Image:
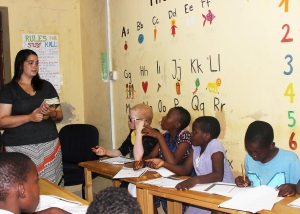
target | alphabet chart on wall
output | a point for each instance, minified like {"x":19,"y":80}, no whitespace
{"x":237,"y":60}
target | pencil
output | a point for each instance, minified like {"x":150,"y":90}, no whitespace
{"x":243,"y":173}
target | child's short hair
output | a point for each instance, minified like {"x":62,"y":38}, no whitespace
{"x":144,"y":111}
{"x":184,"y":116}
{"x":114,"y":200}
{"x":14,"y":167}
{"x":260,"y":132}
{"x":209,"y":124}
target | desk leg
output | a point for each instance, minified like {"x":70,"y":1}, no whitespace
{"x":116,"y":183}
{"x":174,"y":207}
{"x":149,"y":205}
{"x":140,"y":193}
{"x":88,"y":185}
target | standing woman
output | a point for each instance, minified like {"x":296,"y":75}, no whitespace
{"x":28,"y":121}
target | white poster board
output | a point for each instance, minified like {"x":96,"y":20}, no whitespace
{"x":46,"y":47}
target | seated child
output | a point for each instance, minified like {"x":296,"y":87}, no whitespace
{"x":265,"y":164}
{"x":19,"y":190}
{"x":173,"y":146}
{"x":207,"y":157}
{"x":114,"y":200}
{"x":174,"y":143}
{"x":137,"y":113}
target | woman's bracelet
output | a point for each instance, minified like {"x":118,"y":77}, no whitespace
{"x":55,"y":114}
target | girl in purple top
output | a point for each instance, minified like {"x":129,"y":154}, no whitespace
{"x":207,"y":157}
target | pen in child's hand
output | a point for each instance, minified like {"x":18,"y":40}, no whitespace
{"x":243,"y":173}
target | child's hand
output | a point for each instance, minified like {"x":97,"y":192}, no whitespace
{"x":99,"y":150}
{"x":187,"y":184}
{"x":286,"y":190}
{"x":159,"y":123}
{"x":155,"y":163}
{"x":139,"y":125}
{"x":240,"y":182}
{"x":139,"y":164}
{"x":149,"y":131}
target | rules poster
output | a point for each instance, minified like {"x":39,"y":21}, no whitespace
{"x":46,"y":47}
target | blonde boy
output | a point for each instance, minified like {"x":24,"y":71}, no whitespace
{"x":138,"y":113}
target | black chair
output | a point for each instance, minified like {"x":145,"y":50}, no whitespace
{"x":1,"y":143}
{"x":76,"y":143}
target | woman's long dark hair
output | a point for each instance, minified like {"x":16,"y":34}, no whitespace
{"x":21,"y":57}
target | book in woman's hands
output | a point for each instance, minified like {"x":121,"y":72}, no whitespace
{"x":53,"y":102}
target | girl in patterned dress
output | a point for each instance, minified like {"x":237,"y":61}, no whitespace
{"x":174,"y":144}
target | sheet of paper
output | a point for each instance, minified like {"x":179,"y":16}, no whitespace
{"x":163,"y":171}
{"x":279,"y":199}
{"x":225,"y":189}
{"x":253,"y":199}
{"x":47,"y":201}
{"x":126,"y":172}
{"x":295,"y":203}
{"x":117,"y":160}
{"x":220,"y":188}
{"x":201,"y":187}
{"x":76,"y":210}
{"x":65,"y":200}
{"x":164,"y":182}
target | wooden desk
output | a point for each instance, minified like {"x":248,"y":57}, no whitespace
{"x":205,"y":200}
{"x":48,"y":188}
{"x":108,"y":171}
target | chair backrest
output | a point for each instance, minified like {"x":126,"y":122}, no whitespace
{"x":76,"y":142}
{"x":1,"y":143}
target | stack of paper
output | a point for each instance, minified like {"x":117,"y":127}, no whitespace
{"x":48,"y":201}
{"x":252,"y":199}
{"x":295,"y":203}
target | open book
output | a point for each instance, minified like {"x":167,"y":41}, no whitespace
{"x":53,"y":102}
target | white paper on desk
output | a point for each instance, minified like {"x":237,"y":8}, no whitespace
{"x":253,"y":199}
{"x":201,"y":187}
{"x":163,"y":182}
{"x":47,"y":201}
{"x":126,"y":172}
{"x":164,"y":172}
{"x":76,"y":210}
{"x":117,"y":160}
{"x":219,"y":188}
{"x":225,"y":189}
{"x":295,"y":203}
